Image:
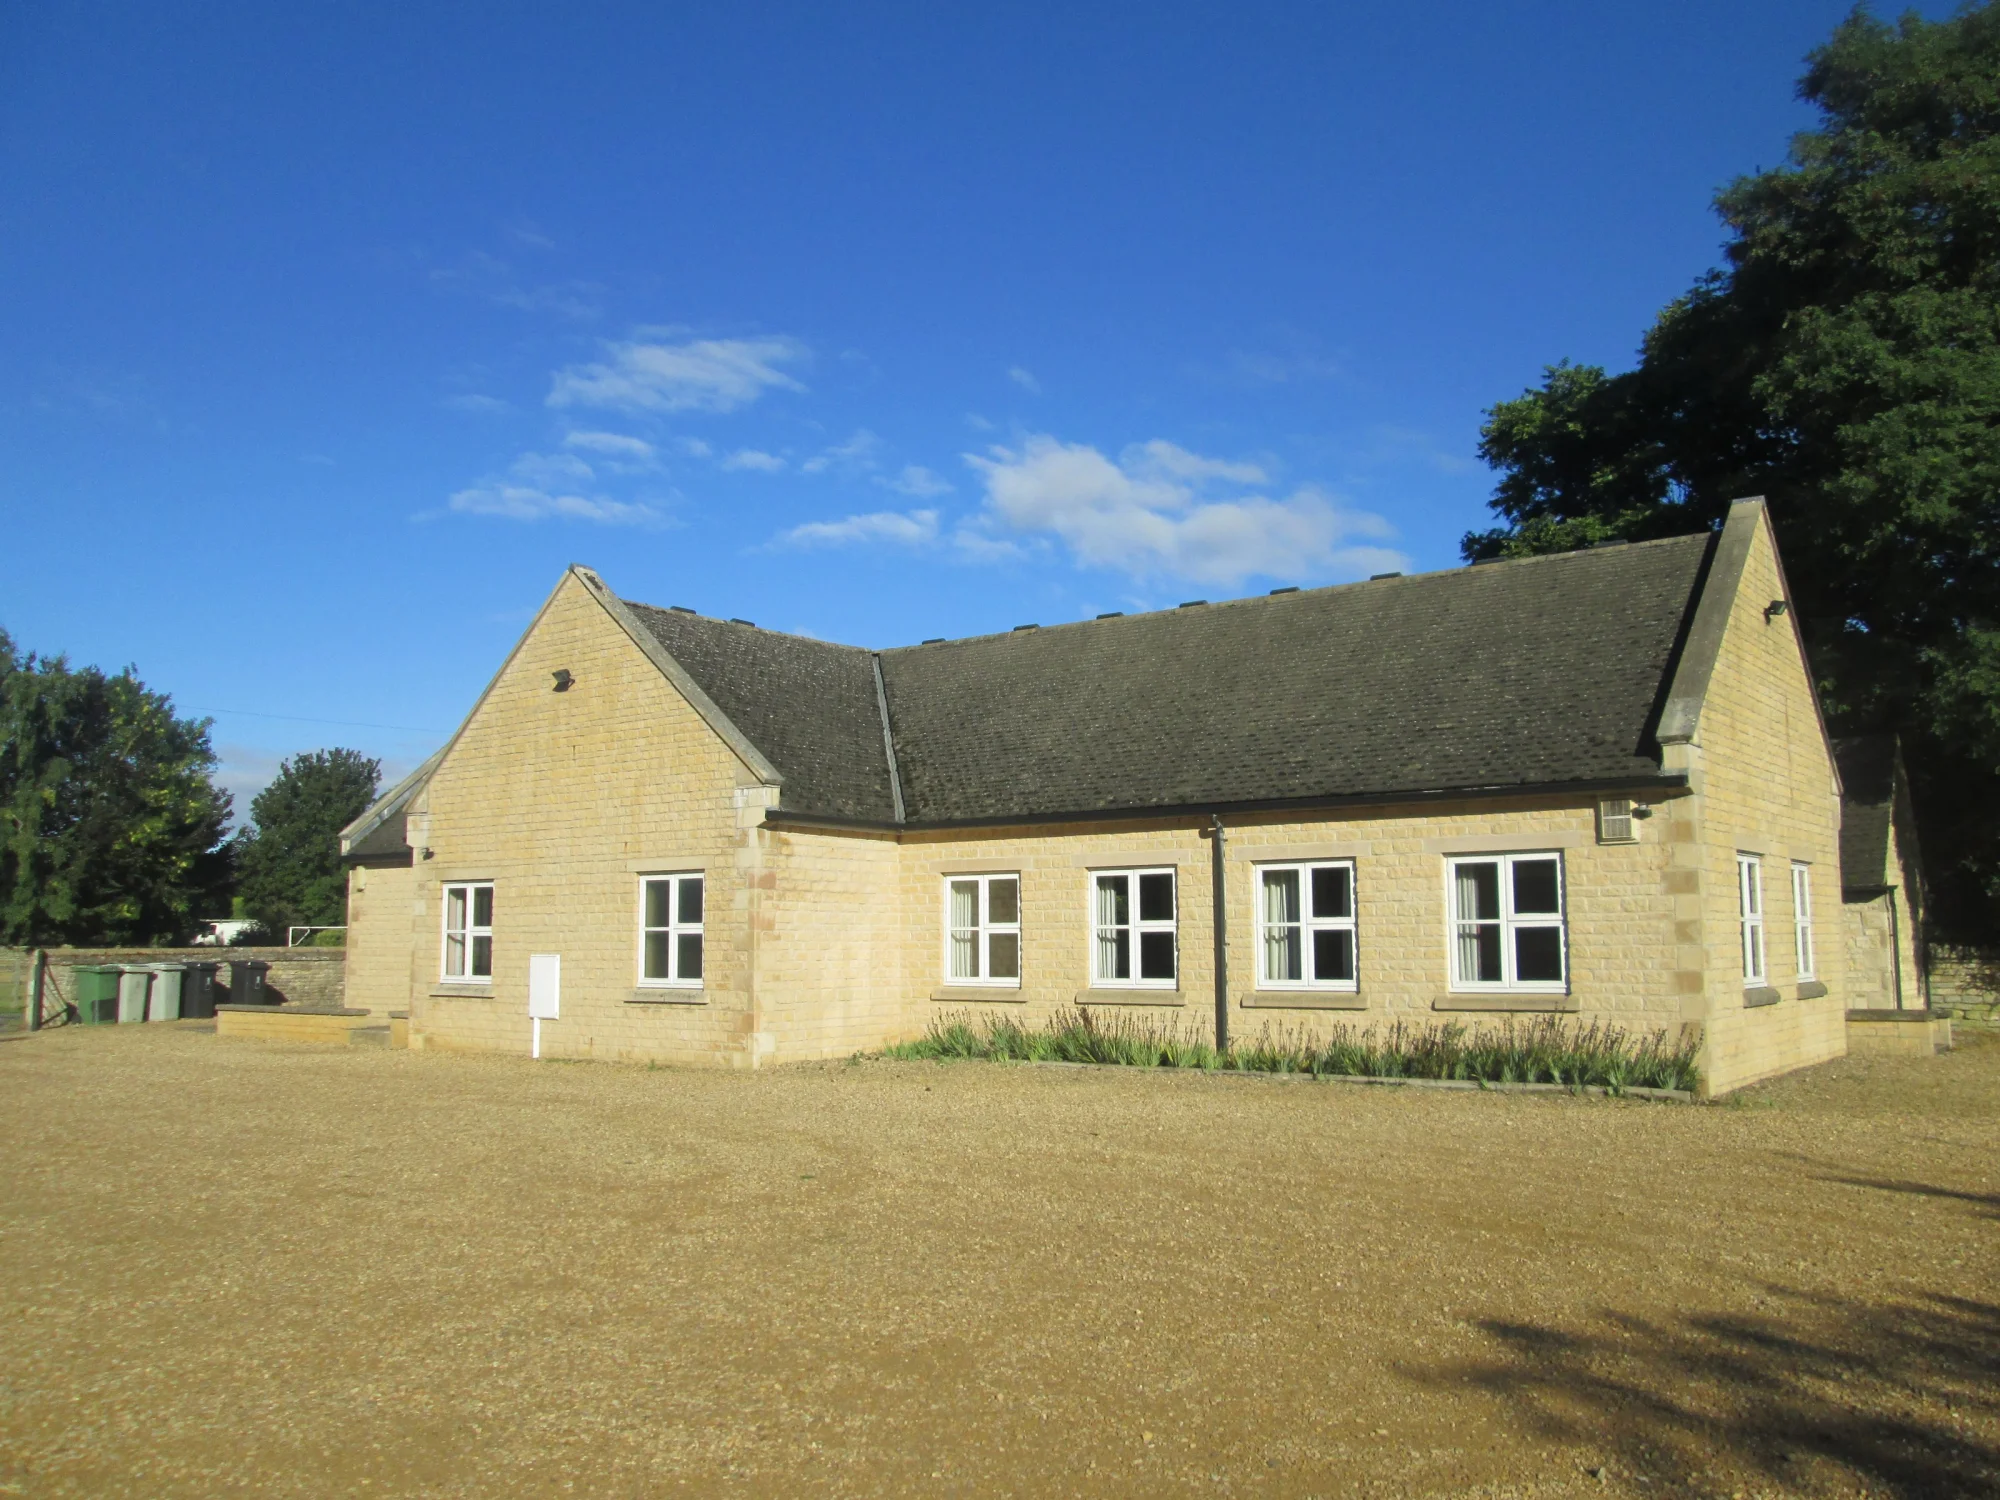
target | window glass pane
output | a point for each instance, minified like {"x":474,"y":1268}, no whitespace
{"x":1333,"y":955}
{"x":1478,"y":889}
{"x":656,"y":955}
{"x":1333,"y":891}
{"x":689,"y":954}
{"x":964,"y":953}
{"x":690,"y":901}
{"x":1281,"y":954}
{"x":1156,"y":898}
{"x":1538,"y":953}
{"x":482,"y":906}
{"x":659,"y":903}
{"x":1535,"y":887}
{"x":1003,"y":901}
{"x":454,"y":908}
{"x":1479,"y":952}
{"x":964,"y":904}
{"x":1004,"y":955}
{"x":454,"y":954}
{"x":1114,"y":953}
{"x":1281,"y":896}
{"x":1156,"y":955}
{"x":1113,"y":909}
{"x":482,"y":957}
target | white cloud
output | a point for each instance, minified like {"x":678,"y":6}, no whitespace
{"x":711,"y":375}
{"x":917,"y":528}
{"x":1151,"y":514}
{"x":1025,"y":380}
{"x":695,"y":448}
{"x":855,"y":456}
{"x":614,"y":445}
{"x":918,"y":482}
{"x":752,"y":458}
{"x":544,"y":486}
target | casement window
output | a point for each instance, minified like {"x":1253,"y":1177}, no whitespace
{"x":670,"y":931}
{"x":468,"y":932}
{"x":1507,"y":923}
{"x":1133,"y":912}
{"x":982,"y":938}
{"x":1802,"y":919}
{"x":1305,"y":919}
{"x":1750,"y":903}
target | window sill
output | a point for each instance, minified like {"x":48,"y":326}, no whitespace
{"x":665,"y":996}
{"x":1811,"y":989}
{"x":1002,"y":994}
{"x":1764,"y":995}
{"x":1133,"y":996}
{"x":461,"y":992}
{"x":1517,"y":1001}
{"x":1302,"y":1000}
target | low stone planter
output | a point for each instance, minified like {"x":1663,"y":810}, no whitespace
{"x":285,"y":1023}
{"x":1596,"y":1091}
{"x":1898,"y":1033}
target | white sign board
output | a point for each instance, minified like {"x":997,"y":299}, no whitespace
{"x":545,"y":986}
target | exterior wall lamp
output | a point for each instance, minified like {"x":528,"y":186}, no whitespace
{"x":563,"y":679}
{"x":1774,"y":609}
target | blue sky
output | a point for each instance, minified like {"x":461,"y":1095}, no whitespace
{"x":333,"y":332}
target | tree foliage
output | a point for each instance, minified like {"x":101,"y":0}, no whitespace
{"x":1845,"y":364}
{"x":110,"y":827}
{"x":290,"y":862}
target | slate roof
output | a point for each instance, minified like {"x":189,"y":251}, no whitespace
{"x":1867,"y":804}
{"x":1544,"y":671}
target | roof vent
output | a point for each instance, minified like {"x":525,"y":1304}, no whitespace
{"x":1027,"y":627}
{"x":1290,"y":588}
{"x":1480,"y":562}
{"x":1191,"y":603}
{"x":933,"y":640}
{"x":734,"y":621}
{"x":1112,"y":614}
{"x":680,"y":609}
{"x":1374,"y":577}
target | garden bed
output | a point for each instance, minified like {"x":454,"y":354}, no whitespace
{"x":1545,"y":1053}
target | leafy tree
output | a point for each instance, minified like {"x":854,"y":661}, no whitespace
{"x":110,"y":827}
{"x":1845,"y":364}
{"x":290,"y":864}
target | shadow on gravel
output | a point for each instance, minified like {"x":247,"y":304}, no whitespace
{"x":1988,"y":1201}
{"x":1813,"y":1396}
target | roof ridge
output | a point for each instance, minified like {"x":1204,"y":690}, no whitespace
{"x":790,"y":635}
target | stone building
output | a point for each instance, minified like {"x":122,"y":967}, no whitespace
{"x":1594,"y":785}
{"x":1881,"y":877}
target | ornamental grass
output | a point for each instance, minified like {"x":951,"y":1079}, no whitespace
{"x":1544,"y":1049}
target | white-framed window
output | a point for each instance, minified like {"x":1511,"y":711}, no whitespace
{"x":1305,"y":924}
{"x":1133,"y":914}
{"x":670,"y":930}
{"x":1614,"y":821}
{"x":1750,"y":902}
{"x":1802,"y":919}
{"x":982,"y":939}
{"x":468,"y":932}
{"x":1507,"y":922}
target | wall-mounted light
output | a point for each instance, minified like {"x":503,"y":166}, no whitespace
{"x":1775,"y":608}
{"x":563,"y":679}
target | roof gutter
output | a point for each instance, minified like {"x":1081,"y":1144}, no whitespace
{"x":1665,"y":785}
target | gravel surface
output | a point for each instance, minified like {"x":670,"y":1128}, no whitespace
{"x":245,"y":1268}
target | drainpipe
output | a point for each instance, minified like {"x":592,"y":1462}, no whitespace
{"x":1895,"y":947}
{"x":1219,"y":891}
